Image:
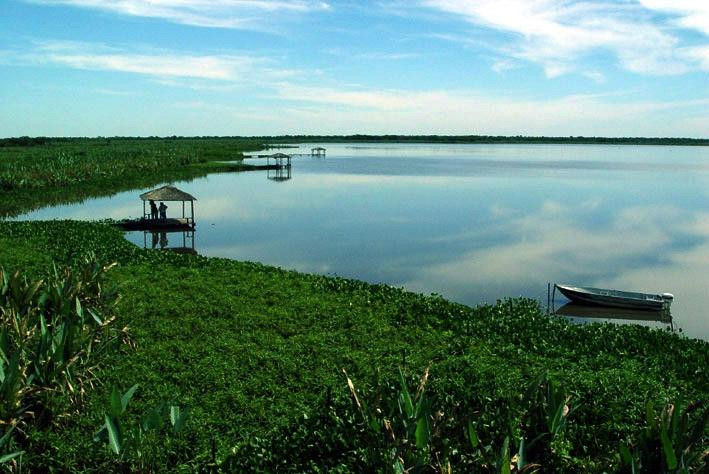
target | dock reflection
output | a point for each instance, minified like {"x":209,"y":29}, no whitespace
{"x":170,"y":240}
{"x":280,"y":174}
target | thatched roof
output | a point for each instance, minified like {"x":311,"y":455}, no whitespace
{"x":167,"y":193}
{"x":280,"y":155}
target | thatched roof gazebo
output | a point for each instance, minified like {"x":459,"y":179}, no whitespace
{"x":282,"y":160}
{"x":170,"y":194}
{"x":167,"y":193}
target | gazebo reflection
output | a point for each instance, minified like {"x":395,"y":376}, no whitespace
{"x":178,"y":241}
{"x":280,"y":174}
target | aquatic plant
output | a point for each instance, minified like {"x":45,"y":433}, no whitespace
{"x":128,"y":441}
{"x":675,"y":441}
{"x":71,"y":170}
{"x":257,"y":352}
{"x":51,"y":332}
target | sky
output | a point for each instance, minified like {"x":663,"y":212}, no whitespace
{"x":261,"y":67}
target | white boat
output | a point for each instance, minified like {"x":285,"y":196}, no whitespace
{"x":616,"y":298}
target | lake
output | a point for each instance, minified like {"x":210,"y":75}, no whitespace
{"x":473,"y":223}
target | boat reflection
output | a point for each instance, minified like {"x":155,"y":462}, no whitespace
{"x":620,"y":315}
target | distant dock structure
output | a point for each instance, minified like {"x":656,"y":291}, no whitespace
{"x":281,"y":160}
{"x":317,"y":151}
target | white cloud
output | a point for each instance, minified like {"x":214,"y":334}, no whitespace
{"x":205,"y":13}
{"x":558,"y":33}
{"x":159,"y":64}
{"x":552,"y":242}
{"x":506,"y":64}
{"x":700,"y":54}
{"x":595,"y":76}
{"x":465,"y":111}
{"x":115,"y":92}
{"x":691,"y":14}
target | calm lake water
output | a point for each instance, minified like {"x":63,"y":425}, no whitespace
{"x":473,"y":223}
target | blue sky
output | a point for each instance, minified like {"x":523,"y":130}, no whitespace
{"x":259,"y":67}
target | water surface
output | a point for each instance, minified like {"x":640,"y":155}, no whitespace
{"x":471,"y":222}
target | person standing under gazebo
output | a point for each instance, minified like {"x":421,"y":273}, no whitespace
{"x":153,"y":210}
{"x":163,"y":211}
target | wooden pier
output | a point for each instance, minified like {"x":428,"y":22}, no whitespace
{"x":157,"y":224}
{"x":319,"y":152}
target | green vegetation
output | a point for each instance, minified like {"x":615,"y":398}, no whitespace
{"x":39,"y":172}
{"x":257,"y":353}
{"x":214,"y":365}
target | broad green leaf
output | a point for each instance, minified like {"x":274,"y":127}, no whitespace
{"x":405,"y":396}
{"x":114,"y":435}
{"x":11,"y":456}
{"x":125,"y":399}
{"x":6,"y":437}
{"x":670,"y":457}
{"x":116,"y":403}
{"x":472,"y":435}
{"x":422,"y":433}
{"x":520,"y":454}
{"x":178,"y":417}
{"x":505,"y":457}
{"x":79,"y":310}
{"x":651,"y":418}
{"x":625,"y":455}
{"x":96,"y":315}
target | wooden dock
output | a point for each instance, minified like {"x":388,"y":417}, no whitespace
{"x":317,"y":152}
{"x":271,"y":156}
{"x":157,"y":224}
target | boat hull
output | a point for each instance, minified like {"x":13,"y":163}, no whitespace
{"x":613,"y":298}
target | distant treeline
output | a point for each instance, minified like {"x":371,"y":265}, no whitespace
{"x":487,"y":139}
{"x":490,"y":139}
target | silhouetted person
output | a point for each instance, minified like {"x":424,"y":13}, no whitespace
{"x":163,"y":211}
{"x":153,"y":210}
{"x":163,"y":240}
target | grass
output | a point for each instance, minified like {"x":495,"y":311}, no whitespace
{"x":64,"y":171}
{"x":256,"y":354}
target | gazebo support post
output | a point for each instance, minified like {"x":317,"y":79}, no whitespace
{"x":143,"y":209}
{"x":192,"y":208}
